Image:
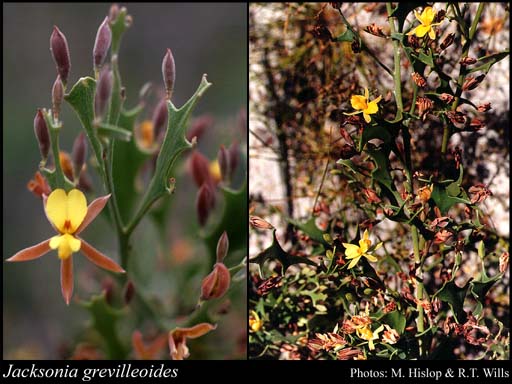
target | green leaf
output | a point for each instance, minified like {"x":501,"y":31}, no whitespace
{"x":380,"y":173}
{"x":275,"y":252}
{"x":173,"y":145}
{"x":315,"y":296}
{"x":309,"y":228}
{"x":493,"y":59}
{"x":81,"y":99}
{"x":104,"y":321}
{"x":395,"y":320}
{"x":375,"y":132}
{"x":348,"y":36}
{"x":453,"y":295}
{"x":114,"y":132}
{"x":233,"y":219}
{"x":426,"y":59}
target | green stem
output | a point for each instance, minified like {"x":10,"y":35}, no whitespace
{"x":409,"y":170}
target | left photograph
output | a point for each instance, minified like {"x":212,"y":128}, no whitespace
{"x":125,"y":181}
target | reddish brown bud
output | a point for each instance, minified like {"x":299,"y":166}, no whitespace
{"x":234,"y":157}
{"x":108,"y":288}
{"x":472,"y":82}
{"x":38,"y":185}
{"x":467,"y":60}
{"x":169,"y":73}
{"x":129,"y":292}
{"x":224,"y":164}
{"x":160,"y":118}
{"x":60,"y":52}
{"x":371,"y":195}
{"x":204,"y":203}
{"x":418,"y":79}
{"x":448,"y":40}
{"x":217,"y":283}
{"x":222,"y":247}
{"x":258,"y":222}
{"x":424,"y":106}
{"x":484,"y":107}
{"x":79,"y":154}
{"x":200,"y":168}
{"x":103,"y":92}
{"x":57,"y":97}
{"x":101,"y":44}
{"x":198,"y":126}
{"x":42,"y":134}
{"x":447,"y":98}
{"x":504,"y":262}
{"x":413,"y":41}
{"x":456,"y":117}
{"x":375,"y":30}
{"x":476,"y":124}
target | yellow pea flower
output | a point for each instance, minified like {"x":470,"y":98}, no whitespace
{"x":364,"y":106}
{"x":69,"y":215}
{"x":355,"y":252}
{"x":426,"y":19}
{"x":255,"y":323}
{"x":367,"y":334}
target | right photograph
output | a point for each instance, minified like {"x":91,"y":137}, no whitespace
{"x":379,"y":181}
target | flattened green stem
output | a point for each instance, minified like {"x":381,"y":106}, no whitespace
{"x":409,"y":170}
{"x":462,"y":70}
{"x":54,"y":130}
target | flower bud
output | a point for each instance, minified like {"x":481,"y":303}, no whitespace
{"x":424,"y":106}
{"x":129,"y":292}
{"x":204,"y":203}
{"x":222,"y":247}
{"x":418,"y":79}
{"x":79,"y":154}
{"x":60,"y":52}
{"x":57,"y":97}
{"x":234,"y":157}
{"x":42,"y":134}
{"x":101,"y":44}
{"x":223,"y":159}
{"x":448,"y":40}
{"x":467,"y":60}
{"x":160,"y":118}
{"x":217,"y":283}
{"x":103,"y":92}
{"x":472,"y":82}
{"x":258,"y":222}
{"x":484,"y":107}
{"x":200,"y":167}
{"x":446,"y":97}
{"x":113,"y":13}
{"x":169,"y":73}
{"x":198,"y":126}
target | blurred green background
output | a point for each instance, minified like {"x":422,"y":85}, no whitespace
{"x":204,"y":38}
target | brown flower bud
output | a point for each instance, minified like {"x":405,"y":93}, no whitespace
{"x":504,"y":262}
{"x":101,"y":44}
{"x":447,"y":98}
{"x":484,"y":107}
{"x":198,"y":126}
{"x":66,"y":164}
{"x":425,"y":192}
{"x":259,"y":223}
{"x":467,"y":60}
{"x":57,"y":97}
{"x":442,"y":236}
{"x":418,"y":79}
{"x":371,"y":196}
{"x":204,"y":203}
{"x":129,"y":292}
{"x":42,"y":134}
{"x":456,"y":117}
{"x":169,"y":73}
{"x":476,"y":124}
{"x":222,"y":247}
{"x":79,"y":154}
{"x":448,"y":40}
{"x":356,"y":46}
{"x":103,"y":92}
{"x":413,"y":41}
{"x":60,"y":52}
{"x":160,"y":115}
{"x":234,"y":157}
{"x":472,"y":82}
{"x":375,"y":30}
{"x":479,"y":192}
{"x":224,"y":165}
{"x":424,"y":106}
{"x":200,"y":168}
{"x":108,"y":288}
{"x":217,"y":283}
{"x":439,"y":16}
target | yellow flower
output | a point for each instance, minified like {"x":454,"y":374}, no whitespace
{"x":367,"y":334}
{"x":355,"y":252}
{"x":215,"y":171}
{"x":255,"y":323}
{"x":69,"y":215}
{"x":426,"y":19}
{"x":364,"y":106}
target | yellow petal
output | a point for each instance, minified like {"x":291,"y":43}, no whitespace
{"x":358,"y":102}
{"x":352,"y":113}
{"x":418,"y":15}
{"x":371,"y":258}
{"x":66,"y":245}
{"x":353,"y":263}
{"x":421,"y":30}
{"x":366,"y":94}
{"x":55,"y":242}
{"x":76,"y":208}
{"x":366,"y":235}
{"x":432,"y":33}
{"x":351,"y":250}
{"x":378,"y":246}
{"x":56,"y":210}
{"x":428,"y":15}
{"x":367,"y":117}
